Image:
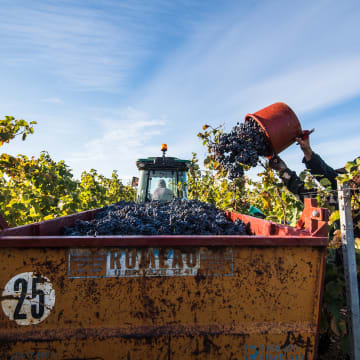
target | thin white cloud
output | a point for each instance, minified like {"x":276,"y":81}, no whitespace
{"x":75,"y":43}
{"x":91,"y":47}
{"x":341,"y":150}
{"x":124,"y":139}
{"x":306,"y":89}
{"x":242,"y":62}
{"x":53,"y":100}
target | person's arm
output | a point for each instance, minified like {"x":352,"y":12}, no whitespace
{"x":316,"y":164}
{"x":290,"y":179}
{"x":304,"y":143}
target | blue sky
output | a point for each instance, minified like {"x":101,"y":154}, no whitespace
{"x":109,"y":81}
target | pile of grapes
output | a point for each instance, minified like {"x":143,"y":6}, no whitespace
{"x":177,"y":217}
{"x":243,"y":145}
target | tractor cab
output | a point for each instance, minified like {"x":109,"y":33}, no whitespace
{"x":162,"y":178}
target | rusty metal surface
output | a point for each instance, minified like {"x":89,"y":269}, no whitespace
{"x":159,"y":240}
{"x":180,"y":302}
{"x":204,"y":347}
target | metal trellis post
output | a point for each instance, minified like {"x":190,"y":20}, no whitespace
{"x":348,"y":249}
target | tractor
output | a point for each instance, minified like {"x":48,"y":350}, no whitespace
{"x":166,"y":171}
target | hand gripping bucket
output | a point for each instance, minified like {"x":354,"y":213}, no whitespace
{"x":281,"y":125}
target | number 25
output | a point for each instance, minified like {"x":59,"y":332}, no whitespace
{"x":37,"y":311}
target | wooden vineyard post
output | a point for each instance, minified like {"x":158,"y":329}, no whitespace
{"x":348,"y":249}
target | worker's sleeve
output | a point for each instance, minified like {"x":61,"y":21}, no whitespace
{"x":295,"y":185}
{"x":317,"y":166}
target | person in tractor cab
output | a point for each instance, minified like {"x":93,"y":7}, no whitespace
{"x":162,"y":193}
{"x":316,"y":165}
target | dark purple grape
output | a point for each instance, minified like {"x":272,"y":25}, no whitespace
{"x":243,"y":145}
{"x":177,"y":217}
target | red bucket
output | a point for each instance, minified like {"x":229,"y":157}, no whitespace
{"x":280,"y":123}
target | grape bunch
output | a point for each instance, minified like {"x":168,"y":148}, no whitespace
{"x":243,"y":145}
{"x":176,"y":217}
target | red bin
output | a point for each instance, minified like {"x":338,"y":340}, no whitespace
{"x":280,"y":123}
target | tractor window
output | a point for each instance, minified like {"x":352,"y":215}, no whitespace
{"x":141,"y":190}
{"x":162,"y":179}
{"x":174,"y":181}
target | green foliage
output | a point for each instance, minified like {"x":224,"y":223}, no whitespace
{"x":96,"y":190}
{"x":36,"y":189}
{"x":209,"y":186}
{"x":10,"y":128}
{"x":334,"y":310}
{"x":333,"y":322}
{"x":39,"y":189}
{"x":271,"y":196}
{"x":352,"y":177}
{"x":334,"y":313}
